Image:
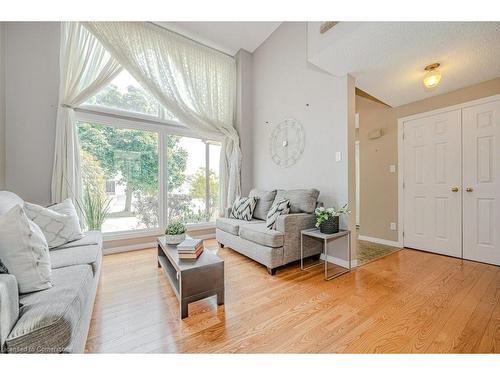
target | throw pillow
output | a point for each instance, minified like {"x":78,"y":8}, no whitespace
{"x":59,"y":223}
{"x":243,"y":208}
{"x":279,"y":208}
{"x":3,"y":268}
{"x":24,"y":251}
{"x":266,"y":199}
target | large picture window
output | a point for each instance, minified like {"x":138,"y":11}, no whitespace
{"x":139,"y":159}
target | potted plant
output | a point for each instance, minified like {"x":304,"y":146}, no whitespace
{"x":95,"y":207}
{"x":327,"y":219}
{"x":175,"y":233}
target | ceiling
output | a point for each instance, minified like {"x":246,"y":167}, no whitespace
{"x":388,"y":58}
{"x":228,"y":37}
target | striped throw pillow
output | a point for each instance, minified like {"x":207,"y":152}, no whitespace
{"x":280,"y":208}
{"x":243,"y":208}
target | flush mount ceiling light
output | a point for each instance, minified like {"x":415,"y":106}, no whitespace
{"x":432,"y":77}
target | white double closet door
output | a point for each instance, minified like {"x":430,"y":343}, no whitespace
{"x":451,"y":182}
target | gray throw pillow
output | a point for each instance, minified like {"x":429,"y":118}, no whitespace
{"x":264,"y":204}
{"x":243,"y":208}
{"x":279,"y":208}
{"x":301,"y":200}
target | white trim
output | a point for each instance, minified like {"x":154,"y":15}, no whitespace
{"x":451,"y":108}
{"x":380,"y":241}
{"x":127,"y":248}
{"x":401,"y":122}
{"x":340,"y":262}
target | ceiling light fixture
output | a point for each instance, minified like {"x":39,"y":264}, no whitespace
{"x":433,"y":76}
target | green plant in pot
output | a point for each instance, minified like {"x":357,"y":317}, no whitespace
{"x":327,"y":219}
{"x":175,"y":233}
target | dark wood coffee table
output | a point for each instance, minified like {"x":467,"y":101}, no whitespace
{"x":192,"y":280}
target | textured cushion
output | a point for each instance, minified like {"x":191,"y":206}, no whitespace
{"x":72,"y":256}
{"x":8,"y":200}
{"x":24,"y":251}
{"x":59,"y":223}
{"x":89,"y":238}
{"x":3,"y":268}
{"x":261,"y":234}
{"x":243,"y":208}
{"x":278,"y":208}
{"x":266,"y":199}
{"x":232,"y":226}
{"x":301,"y":200}
{"x":49,"y":319}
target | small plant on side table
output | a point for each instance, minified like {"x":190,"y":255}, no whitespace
{"x":327,"y":219}
{"x":175,"y":233}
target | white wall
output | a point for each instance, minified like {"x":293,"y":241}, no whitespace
{"x":32,"y":82}
{"x":287,"y":86}
{"x":244,"y":117}
{"x":2,"y":106}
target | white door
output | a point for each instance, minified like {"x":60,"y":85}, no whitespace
{"x":432,"y":184}
{"x":481,"y":182}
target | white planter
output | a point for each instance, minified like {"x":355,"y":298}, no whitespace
{"x":175,"y":239}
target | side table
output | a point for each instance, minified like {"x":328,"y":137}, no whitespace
{"x":315,"y":233}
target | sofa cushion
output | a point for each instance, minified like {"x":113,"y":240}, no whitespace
{"x":9,"y":200}
{"x":261,"y":234}
{"x":264,"y":203}
{"x":231,"y":225}
{"x":89,"y":238}
{"x":48,"y":319}
{"x":243,"y":208}
{"x":91,"y":255}
{"x":301,"y":200}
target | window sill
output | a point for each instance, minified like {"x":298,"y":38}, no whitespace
{"x":132,"y":234}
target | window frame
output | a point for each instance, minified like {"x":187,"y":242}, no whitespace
{"x":122,"y":119}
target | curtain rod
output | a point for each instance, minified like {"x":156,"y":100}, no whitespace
{"x":191,"y":39}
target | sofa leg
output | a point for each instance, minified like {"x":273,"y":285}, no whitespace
{"x":221,"y":245}
{"x":271,"y":271}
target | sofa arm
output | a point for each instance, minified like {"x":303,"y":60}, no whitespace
{"x":9,"y":306}
{"x":291,"y":225}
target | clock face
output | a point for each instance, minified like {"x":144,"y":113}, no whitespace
{"x":287,"y":143}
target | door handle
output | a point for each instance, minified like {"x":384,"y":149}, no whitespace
{"x":454,"y":189}
{"x":469,"y":190}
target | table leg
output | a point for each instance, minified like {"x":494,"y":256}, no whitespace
{"x":220,"y":297}
{"x":184,"y":309}
{"x":301,"y":252}
{"x":325,"y":252}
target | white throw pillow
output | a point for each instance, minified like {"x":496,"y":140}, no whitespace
{"x":24,"y":251}
{"x":277,"y":209}
{"x":59,"y":223}
{"x":243,"y":208}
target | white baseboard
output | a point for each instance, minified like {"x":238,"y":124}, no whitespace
{"x":341,"y":262}
{"x":126,"y":248}
{"x":147,"y":245}
{"x":379,"y":240}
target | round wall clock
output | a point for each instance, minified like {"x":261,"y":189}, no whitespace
{"x":287,"y":143}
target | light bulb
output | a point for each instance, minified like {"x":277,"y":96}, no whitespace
{"x":432,"y":77}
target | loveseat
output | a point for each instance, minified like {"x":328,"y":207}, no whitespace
{"x":272,"y":247}
{"x":54,"y":320}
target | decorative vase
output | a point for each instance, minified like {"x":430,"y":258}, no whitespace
{"x":330,"y":226}
{"x":175,"y":239}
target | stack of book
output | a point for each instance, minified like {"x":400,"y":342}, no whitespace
{"x":190,"y":248}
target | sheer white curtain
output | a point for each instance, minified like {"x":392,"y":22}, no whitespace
{"x":85,"y":67}
{"x":196,"y":83}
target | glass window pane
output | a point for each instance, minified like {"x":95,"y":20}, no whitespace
{"x":125,"y":93}
{"x":120,"y":172}
{"x":214,"y":157}
{"x":186,"y":182}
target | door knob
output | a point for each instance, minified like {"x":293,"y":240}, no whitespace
{"x":454,"y":189}
{"x":469,"y":190}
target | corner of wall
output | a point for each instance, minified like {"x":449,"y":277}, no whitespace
{"x":2,"y":106}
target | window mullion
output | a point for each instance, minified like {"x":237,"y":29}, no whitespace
{"x":207,"y":180}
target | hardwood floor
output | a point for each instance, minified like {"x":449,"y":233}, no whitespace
{"x":407,"y":302}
